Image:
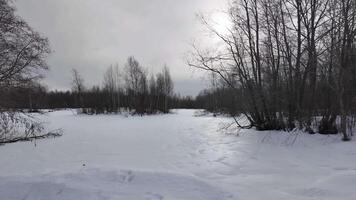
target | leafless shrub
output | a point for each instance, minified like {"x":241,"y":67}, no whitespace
{"x":18,"y":126}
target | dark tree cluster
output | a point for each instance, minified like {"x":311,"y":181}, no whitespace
{"x":288,"y":62}
{"x":219,"y":100}
{"x":128,"y":88}
{"x":185,"y":102}
{"x":96,"y":100}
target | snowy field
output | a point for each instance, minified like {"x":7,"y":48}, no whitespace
{"x":175,"y":156}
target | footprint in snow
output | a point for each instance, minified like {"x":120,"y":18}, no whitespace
{"x":341,"y":168}
{"x":60,"y":191}
{"x":153,"y":196}
{"x":201,"y":151}
{"x":314,"y":192}
{"x":127,"y":176}
{"x":220,"y":159}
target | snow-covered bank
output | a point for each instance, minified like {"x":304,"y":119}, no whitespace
{"x":175,"y":156}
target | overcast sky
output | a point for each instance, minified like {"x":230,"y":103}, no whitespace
{"x":90,"y":35}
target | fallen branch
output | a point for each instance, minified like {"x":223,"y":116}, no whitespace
{"x":240,"y":126}
{"x":52,"y":134}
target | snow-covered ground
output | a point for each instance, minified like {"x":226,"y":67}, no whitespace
{"x":175,"y":156}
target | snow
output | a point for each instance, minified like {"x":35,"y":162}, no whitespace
{"x":97,"y":184}
{"x":176,"y":156}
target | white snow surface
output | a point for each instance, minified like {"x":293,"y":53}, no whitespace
{"x":175,"y":156}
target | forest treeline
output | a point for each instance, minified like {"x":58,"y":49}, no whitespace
{"x":96,"y":100}
{"x":287,"y":61}
{"x":36,"y":97}
{"x":123,"y":89}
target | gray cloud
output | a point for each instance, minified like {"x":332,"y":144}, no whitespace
{"x":90,"y":35}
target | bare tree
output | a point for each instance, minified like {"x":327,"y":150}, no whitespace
{"x":168,"y":87}
{"x":78,"y":89}
{"x":279,"y":56}
{"x":153,"y":94}
{"x":136,"y":84}
{"x":112,"y":86}
{"x":345,"y":55}
{"x":22,"y":50}
{"x":164,"y":89}
{"x":22,"y":60}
